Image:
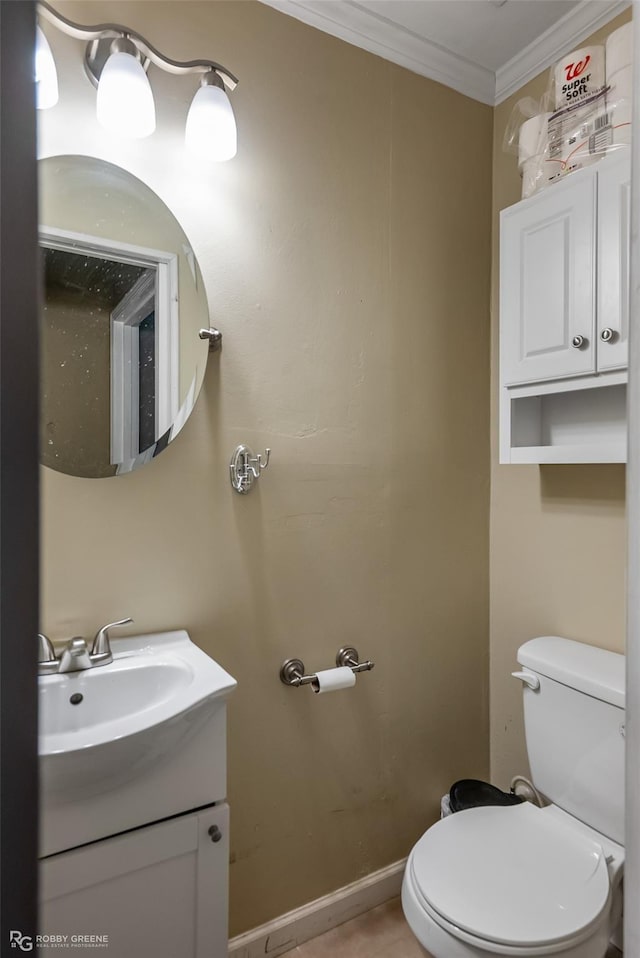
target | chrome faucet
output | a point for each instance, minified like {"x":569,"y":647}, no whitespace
{"x":76,"y":655}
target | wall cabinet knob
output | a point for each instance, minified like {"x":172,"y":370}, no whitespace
{"x":215,"y":833}
{"x":578,"y":342}
{"x":607,"y":335}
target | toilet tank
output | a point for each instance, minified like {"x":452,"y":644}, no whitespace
{"x":574,"y":725}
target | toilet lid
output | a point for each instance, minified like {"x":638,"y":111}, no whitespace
{"x":511,"y":875}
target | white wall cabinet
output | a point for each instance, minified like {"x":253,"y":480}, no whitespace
{"x":161,"y":890}
{"x":564,"y":317}
{"x":548,"y":266}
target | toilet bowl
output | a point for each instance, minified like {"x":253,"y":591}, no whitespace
{"x":522,"y":880}
{"x":518,"y":881}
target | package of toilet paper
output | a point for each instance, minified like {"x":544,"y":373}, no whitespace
{"x":579,"y":135}
{"x":584,"y":113}
{"x":551,"y":145}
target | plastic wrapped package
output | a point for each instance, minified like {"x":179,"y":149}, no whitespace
{"x":526,"y":136}
{"x":584,"y":113}
{"x":578,"y":135}
{"x":619,"y":64}
{"x":533,"y":145}
{"x":619,"y":49}
{"x":620,"y":98}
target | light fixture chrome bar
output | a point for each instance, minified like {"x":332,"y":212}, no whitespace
{"x":103,"y":31}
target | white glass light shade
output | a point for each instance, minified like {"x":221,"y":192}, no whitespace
{"x":211,"y":126}
{"x":125,"y":102}
{"x":46,"y":74}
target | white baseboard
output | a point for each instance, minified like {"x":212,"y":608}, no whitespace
{"x":318,"y":916}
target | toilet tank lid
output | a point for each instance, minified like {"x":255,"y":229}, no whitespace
{"x":587,"y":669}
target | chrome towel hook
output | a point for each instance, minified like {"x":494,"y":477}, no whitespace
{"x":245,"y":468}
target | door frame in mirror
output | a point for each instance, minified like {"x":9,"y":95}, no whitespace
{"x":124,"y":365}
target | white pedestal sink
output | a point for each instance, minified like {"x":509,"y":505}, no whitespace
{"x":145,"y":740}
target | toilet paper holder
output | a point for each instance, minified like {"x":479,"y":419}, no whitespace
{"x":292,"y":670}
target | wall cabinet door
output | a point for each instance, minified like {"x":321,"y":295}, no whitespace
{"x":161,"y":890}
{"x":614,"y":241}
{"x":548,"y":270}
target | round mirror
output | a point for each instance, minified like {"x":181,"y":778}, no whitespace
{"x":122,"y":361}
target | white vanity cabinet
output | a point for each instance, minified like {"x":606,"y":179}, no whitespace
{"x":564,"y":316}
{"x":134,"y":826}
{"x":159,"y":890}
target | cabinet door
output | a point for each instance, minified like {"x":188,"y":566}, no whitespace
{"x":161,"y":890}
{"x":614,"y":240}
{"x":547,"y":277}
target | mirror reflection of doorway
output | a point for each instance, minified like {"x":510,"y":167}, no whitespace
{"x":109,"y":353}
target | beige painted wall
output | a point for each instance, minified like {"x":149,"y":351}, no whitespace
{"x":346,"y":257}
{"x":557,"y":532}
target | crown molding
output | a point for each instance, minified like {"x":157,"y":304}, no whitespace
{"x":358,"y":25}
{"x":580,"y":22}
{"x":350,"y":21}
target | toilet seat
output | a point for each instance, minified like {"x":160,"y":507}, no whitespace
{"x":514,"y":876}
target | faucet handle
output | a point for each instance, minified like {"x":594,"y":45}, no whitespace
{"x":101,"y":641}
{"x":45,"y":649}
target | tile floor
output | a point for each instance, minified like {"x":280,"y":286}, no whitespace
{"x":380,"y":933}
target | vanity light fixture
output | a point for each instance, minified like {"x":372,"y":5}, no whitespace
{"x":211,"y":125}
{"x":116,"y":61}
{"x":124,"y":104}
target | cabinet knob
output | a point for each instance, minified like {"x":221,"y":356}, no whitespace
{"x":215,"y":833}
{"x":578,"y":342}
{"x":607,"y":335}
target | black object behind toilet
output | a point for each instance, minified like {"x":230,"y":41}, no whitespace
{"x":471,"y":793}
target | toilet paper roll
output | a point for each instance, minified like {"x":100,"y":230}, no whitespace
{"x":533,"y":174}
{"x":621,"y":118}
{"x":619,"y":49}
{"x":532,"y":139}
{"x":330,"y":680}
{"x":621,"y":85}
{"x":579,"y":75}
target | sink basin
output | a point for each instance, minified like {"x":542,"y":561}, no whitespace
{"x":151,"y":680}
{"x":131,"y":742}
{"x":113,"y":699}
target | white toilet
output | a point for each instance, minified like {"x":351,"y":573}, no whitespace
{"x":522,"y":880}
